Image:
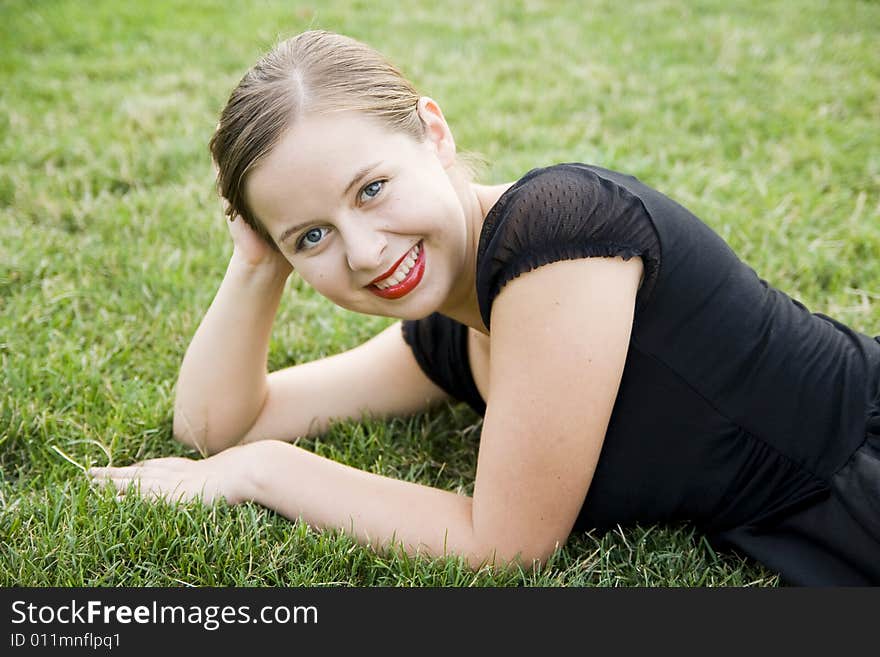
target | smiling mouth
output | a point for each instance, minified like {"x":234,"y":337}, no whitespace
{"x":404,"y":278}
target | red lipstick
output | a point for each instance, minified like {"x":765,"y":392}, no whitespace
{"x":405,"y":286}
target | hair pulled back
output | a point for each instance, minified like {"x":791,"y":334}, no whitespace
{"x":314,"y":72}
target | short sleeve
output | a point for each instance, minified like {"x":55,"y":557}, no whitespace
{"x":439,"y":345}
{"x":563,"y":212}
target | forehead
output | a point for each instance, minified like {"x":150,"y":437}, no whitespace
{"x":314,"y":161}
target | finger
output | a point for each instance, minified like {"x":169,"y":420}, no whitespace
{"x":143,"y":488}
{"x":135,"y":491}
{"x":117,"y":474}
{"x":127,"y":484}
{"x":163,"y":486}
{"x":173,"y":463}
{"x":110,"y":469}
{"x":124,"y":485}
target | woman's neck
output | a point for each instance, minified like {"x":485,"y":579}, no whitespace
{"x":477,"y":201}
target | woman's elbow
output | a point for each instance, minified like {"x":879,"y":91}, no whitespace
{"x":195,"y":433}
{"x":190,"y":432}
{"x":522,"y":557}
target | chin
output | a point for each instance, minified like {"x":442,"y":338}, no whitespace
{"x":404,"y":314}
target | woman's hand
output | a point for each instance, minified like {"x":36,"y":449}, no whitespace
{"x":247,"y":245}
{"x":180,"y":479}
{"x":253,"y":249}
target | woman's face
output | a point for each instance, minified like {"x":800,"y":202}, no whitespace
{"x":349,"y":203}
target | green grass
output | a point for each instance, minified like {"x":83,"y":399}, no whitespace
{"x":762,"y":117}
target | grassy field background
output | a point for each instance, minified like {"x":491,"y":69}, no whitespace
{"x":761,"y":117}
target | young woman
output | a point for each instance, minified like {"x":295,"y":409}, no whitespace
{"x":629,"y":367}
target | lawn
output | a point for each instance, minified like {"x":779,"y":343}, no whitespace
{"x":762,"y":117}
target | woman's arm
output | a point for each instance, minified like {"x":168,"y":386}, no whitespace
{"x":373,"y":508}
{"x":300,"y":484}
{"x":222,"y":382}
{"x":557,"y":361}
{"x":560,"y":336}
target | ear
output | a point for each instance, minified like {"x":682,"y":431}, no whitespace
{"x":438,"y":136}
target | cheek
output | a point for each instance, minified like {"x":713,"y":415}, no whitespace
{"x":398,"y":210}
{"x":314,"y":277}
{"x":321,"y":284}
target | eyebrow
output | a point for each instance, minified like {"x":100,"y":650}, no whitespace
{"x":357,"y":176}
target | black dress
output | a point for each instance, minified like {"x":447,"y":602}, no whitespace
{"x":739,"y":410}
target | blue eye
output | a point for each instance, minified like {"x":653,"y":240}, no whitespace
{"x":372,"y":186}
{"x":310,"y":239}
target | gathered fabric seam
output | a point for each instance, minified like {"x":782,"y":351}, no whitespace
{"x":634,"y":342}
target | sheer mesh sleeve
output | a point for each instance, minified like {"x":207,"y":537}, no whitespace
{"x":439,"y":345}
{"x":563,"y":212}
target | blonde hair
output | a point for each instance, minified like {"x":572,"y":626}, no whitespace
{"x":314,"y":72}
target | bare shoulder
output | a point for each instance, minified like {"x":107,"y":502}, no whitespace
{"x":559,"y":340}
{"x":562,"y":304}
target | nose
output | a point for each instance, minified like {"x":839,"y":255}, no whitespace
{"x":364,"y":250}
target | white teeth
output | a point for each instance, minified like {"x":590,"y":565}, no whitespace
{"x":402,"y":269}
